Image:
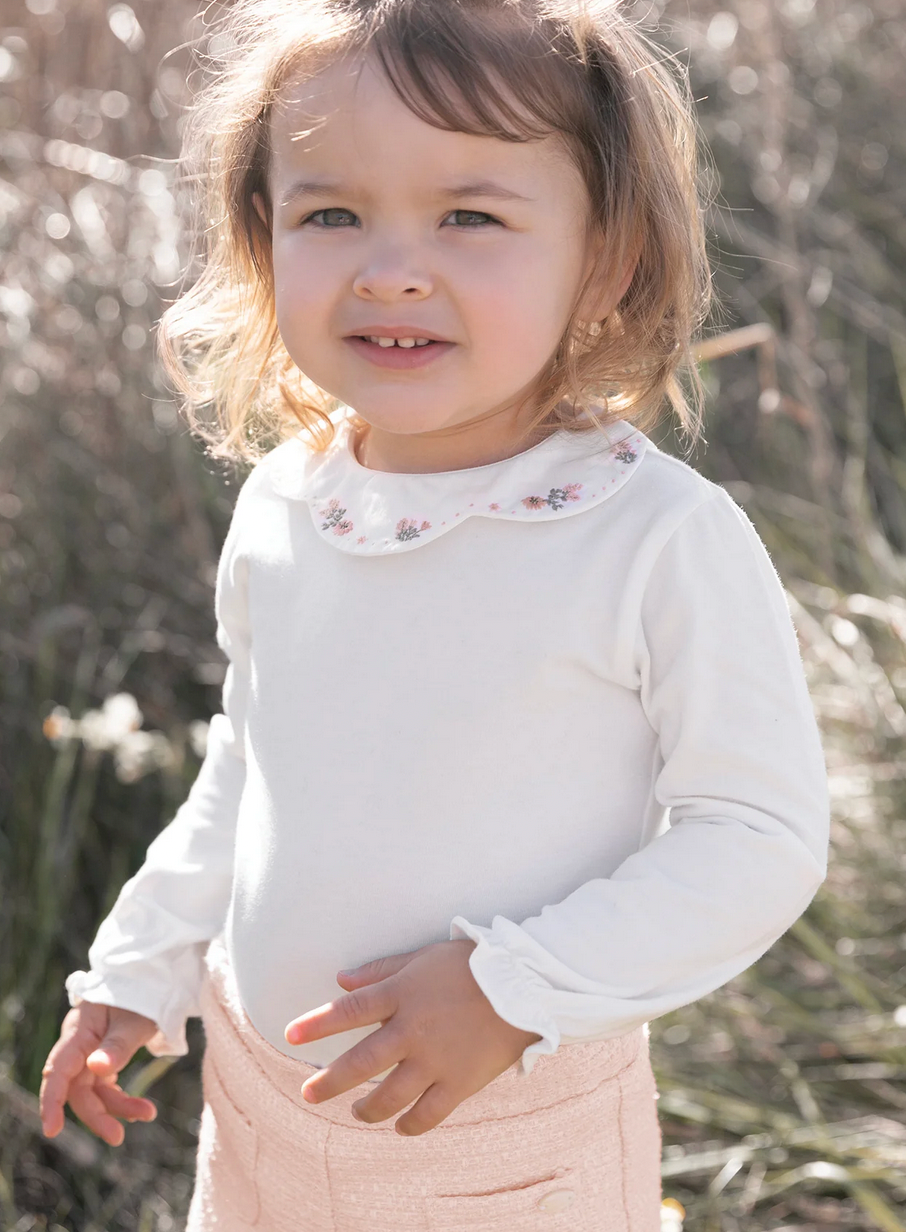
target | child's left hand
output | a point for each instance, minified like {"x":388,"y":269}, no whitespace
{"x":437,"y":1027}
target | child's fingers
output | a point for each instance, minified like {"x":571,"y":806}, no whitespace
{"x":370,"y":1056}
{"x":434,"y":1106}
{"x":361,"y":1008}
{"x":86,"y":1103}
{"x":119,"y":1104}
{"x":65,"y":1061}
{"x":103,"y":1095}
{"x":405,"y":1084}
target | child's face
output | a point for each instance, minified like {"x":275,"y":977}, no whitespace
{"x":396,"y":245}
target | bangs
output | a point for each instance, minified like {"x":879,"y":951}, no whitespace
{"x":461,"y":75}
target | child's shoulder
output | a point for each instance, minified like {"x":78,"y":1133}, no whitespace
{"x":671,"y":487}
{"x":674,"y":498}
{"x":269,"y":471}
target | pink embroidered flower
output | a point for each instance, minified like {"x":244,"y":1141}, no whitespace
{"x":556,"y":497}
{"x":494,"y":507}
{"x":342,"y":528}
{"x":626,"y":454}
{"x":361,"y":539}
{"x":408,"y":528}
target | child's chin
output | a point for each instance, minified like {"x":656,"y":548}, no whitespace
{"x":399,"y":419}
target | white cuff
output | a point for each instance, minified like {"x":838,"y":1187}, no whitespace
{"x":512,"y":989}
{"x":170,"y":1038}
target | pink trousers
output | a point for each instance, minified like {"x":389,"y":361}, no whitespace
{"x":574,"y":1146}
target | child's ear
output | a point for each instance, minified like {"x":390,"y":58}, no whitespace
{"x":599,"y":300}
{"x":628,"y":275}
{"x":258,"y":203}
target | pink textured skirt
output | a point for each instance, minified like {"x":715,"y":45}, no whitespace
{"x":574,"y":1146}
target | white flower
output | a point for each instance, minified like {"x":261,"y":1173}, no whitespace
{"x":140,"y":752}
{"x":115,"y":727}
{"x":122,"y":714}
{"x":198,"y":737}
{"x":104,"y":728}
{"x":58,"y":725}
{"x":92,"y":727}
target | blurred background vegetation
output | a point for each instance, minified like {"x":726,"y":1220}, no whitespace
{"x":783,"y":1095}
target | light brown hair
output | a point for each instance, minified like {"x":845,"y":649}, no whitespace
{"x":579,"y":68}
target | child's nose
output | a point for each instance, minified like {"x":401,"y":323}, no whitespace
{"x":392,"y":277}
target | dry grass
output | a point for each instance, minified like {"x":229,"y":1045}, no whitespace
{"x":783,"y":1100}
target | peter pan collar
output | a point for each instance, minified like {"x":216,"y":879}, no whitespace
{"x":368,"y":512}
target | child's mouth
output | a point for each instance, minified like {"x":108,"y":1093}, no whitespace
{"x":399,"y":353}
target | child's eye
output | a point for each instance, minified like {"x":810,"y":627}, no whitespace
{"x":333,"y":209}
{"x":330,"y":209}
{"x":476,"y":214}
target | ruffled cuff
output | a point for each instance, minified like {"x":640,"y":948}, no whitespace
{"x":170,"y":1038}
{"x":514,"y":991}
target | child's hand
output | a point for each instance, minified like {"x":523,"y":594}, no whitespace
{"x":95,"y":1042}
{"x":435,"y":1022}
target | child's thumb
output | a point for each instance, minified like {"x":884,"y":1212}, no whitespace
{"x":110,"y":1057}
{"x":117,"y":1048}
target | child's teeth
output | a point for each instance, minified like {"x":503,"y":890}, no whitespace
{"x":403,"y":342}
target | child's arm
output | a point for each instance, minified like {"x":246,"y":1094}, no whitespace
{"x":721,"y":681}
{"x":148,"y":953}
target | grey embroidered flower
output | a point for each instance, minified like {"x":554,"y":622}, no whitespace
{"x":334,"y":516}
{"x":408,"y":528}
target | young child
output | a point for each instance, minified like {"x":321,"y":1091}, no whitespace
{"x":515,"y":725}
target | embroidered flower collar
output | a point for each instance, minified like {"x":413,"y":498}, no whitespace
{"x":370,"y":512}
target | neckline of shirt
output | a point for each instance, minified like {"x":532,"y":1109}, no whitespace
{"x":367,"y":512}
{"x":347,"y":427}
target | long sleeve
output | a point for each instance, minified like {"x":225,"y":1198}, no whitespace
{"x":742,"y":772}
{"x":148,"y":953}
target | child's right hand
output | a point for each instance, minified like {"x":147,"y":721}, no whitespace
{"x":95,"y":1042}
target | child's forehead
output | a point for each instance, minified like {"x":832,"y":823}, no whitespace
{"x":349,"y":109}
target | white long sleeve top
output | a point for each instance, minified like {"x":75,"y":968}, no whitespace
{"x":554,"y":704}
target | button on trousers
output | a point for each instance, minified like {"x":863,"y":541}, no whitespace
{"x":574,"y":1146}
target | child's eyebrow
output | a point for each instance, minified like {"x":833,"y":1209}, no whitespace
{"x":330,"y":188}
